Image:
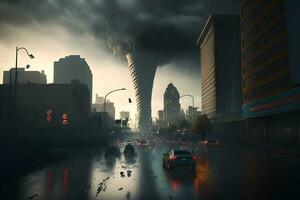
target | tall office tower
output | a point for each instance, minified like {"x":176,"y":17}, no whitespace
{"x":24,"y":76}
{"x":73,"y":67}
{"x":270,"y":57}
{"x":219,"y":44}
{"x":171,"y":105}
{"x":142,"y":69}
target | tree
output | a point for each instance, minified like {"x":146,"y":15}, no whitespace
{"x":202,"y":125}
{"x":184,"y":124}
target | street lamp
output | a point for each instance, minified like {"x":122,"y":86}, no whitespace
{"x":189,"y":95}
{"x":16,"y":73}
{"x":109,"y":94}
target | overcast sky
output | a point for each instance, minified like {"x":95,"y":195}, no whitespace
{"x":103,"y":31}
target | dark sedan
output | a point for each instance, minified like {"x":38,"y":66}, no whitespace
{"x":179,"y":158}
{"x":129,"y":149}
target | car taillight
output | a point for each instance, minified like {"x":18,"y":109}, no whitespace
{"x":173,"y":157}
{"x":194,"y":157}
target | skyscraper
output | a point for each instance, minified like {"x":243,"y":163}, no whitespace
{"x":270,"y":57}
{"x":73,"y":67}
{"x":171,"y":105}
{"x":271,"y":73}
{"x":24,"y":76}
{"x":219,"y":44}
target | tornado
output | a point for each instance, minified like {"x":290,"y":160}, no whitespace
{"x":142,"y":68}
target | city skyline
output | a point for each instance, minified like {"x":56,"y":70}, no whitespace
{"x":88,"y":37}
{"x":160,"y":82}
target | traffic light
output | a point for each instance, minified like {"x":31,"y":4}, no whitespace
{"x":65,"y":119}
{"x":49,"y":116}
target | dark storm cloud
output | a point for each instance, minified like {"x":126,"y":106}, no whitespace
{"x":167,"y":27}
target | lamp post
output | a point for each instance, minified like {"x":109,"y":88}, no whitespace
{"x":109,"y":94}
{"x":189,"y":95}
{"x":16,"y":74}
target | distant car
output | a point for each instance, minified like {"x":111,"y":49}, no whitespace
{"x":112,"y":151}
{"x":209,"y":142}
{"x":121,"y":142}
{"x":137,"y":141}
{"x":179,"y":158}
{"x":183,"y":142}
{"x":129,"y":149}
{"x":144,"y":143}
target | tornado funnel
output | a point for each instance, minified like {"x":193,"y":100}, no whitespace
{"x":142,"y":69}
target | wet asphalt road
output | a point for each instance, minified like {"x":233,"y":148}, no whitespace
{"x":227,"y":172}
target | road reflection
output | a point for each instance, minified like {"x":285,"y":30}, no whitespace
{"x":221,"y":173}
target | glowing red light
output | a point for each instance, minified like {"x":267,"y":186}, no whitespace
{"x":196,"y":184}
{"x":66,"y":176}
{"x":49,"y":117}
{"x":65,"y":119}
{"x":175,"y":184}
{"x":194,"y":158}
{"x":173,"y":157}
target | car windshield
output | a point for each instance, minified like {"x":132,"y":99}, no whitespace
{"x":182,"y":153}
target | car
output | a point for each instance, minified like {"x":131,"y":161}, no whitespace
{"x":137,"y":141}
{"x":207,"y":142}
{"x":144,"y":143}
{"x":129,"y":149}
{"x":121,"y":142}
{"x":183,"y":142}
{"x":179,"y":158}
{"x":112,"y":151}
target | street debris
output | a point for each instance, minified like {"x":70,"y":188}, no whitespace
{"x":120,"y":188}
{"x":102,"y":186}
{"x":122,"y":174}
{"x":129,"y":173}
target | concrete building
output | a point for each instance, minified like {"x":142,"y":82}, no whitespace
{"x":99,"y":100}
{"x":73,"y":67}
{"x":171,"y":105}
{"x":24,"y":76}
{"x":269,"y":58}
{"x":98,"y":106}
{"x":192,"y":113}
{"x":219,"y":44}
{"x":125,"y":115}
{"x":271,"y":74}
{"x":47,"y":106}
